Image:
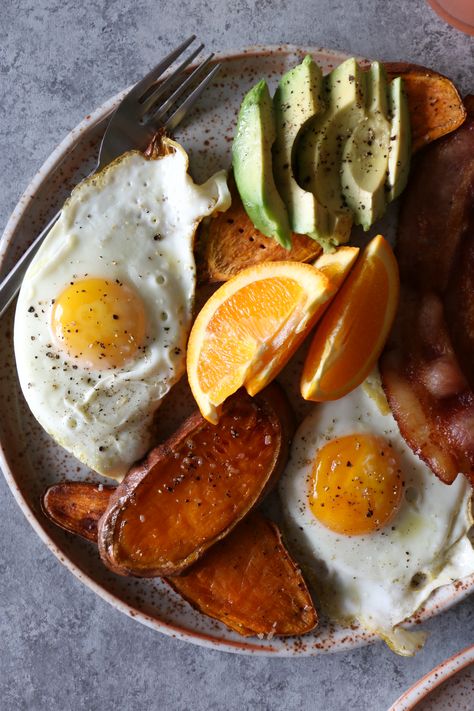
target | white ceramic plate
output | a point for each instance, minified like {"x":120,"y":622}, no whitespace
{"x":31,"y":460}
{"x":447,"y":687}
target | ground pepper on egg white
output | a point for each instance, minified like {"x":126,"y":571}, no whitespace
{"x":128,"y":230}
{"x":381,"y":577}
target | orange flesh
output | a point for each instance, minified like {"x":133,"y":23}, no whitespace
{"x":194,"y":494}
{"x":244,"y":322}
{"x":353,"y":311}
{"x":333,"y":272}
{"x":336,"y":271}
{"x":356,"y":484}
{"x":353,"y":330}
{"x":249,"y":329}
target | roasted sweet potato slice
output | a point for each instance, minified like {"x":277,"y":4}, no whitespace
{"x":231,"y":243}
{"x":193,"y":489}
{"x":249,"y":582}
{"x":77,"y":506}
{"x":434,"y":102}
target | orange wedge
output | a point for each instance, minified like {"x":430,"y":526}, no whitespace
{"x":353,"y":331}
{"x":335,"y":266}
{"x":250,"y":327}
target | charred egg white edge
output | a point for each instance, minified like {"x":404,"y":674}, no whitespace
{"x":135,"y":223}
{"x":371,"y":578}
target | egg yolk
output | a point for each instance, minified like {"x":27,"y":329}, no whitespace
{"x":356,"y":484}
{"x":100,"y":323}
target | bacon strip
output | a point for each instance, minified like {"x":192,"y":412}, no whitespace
{"x":428,"y":365}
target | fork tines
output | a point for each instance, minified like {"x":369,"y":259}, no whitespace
{"x":158,"y":100}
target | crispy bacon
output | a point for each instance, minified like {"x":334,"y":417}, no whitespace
{"x":428,"y":365}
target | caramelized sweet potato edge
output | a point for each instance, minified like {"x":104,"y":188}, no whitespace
{"x":229,"y":242}
{"x":273,"y":550}
{"x":274,"y":405}
{"x":97,"y":499}
{"x":435,"y":105}
{"x":77,"y":506}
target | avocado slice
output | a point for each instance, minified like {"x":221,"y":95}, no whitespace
{"x":320,"y":149}
{"x":376,"y":89}
{"x":400,"y":139}
{"x":366,"y":153}
{"x":252,"y":165}
{"x":297,"y":99}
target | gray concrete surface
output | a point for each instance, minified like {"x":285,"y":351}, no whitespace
{"x":61,"y":647}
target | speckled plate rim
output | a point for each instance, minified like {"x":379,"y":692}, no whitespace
{"x":357,"y":637}
{"x":433,"y":679}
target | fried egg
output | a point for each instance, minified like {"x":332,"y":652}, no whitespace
{"x":105,"y":307}
{"x":376,"y":531}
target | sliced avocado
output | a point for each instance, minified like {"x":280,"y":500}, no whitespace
{"x":320,"y":148}
{"x":376,"y":89}
{"x":365,"y":155}
{"x":298,"y":99}
{"x":400,"y":139}
{"x":252,"y":164}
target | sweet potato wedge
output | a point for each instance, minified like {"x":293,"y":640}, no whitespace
{"x":249,"y":582}
{"x":193,"y":489}
{"x":434,"y":102}
{"x":231,"y":243}
{"x":77,"y":506}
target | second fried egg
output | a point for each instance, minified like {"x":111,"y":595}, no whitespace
{"x":376,"y":531}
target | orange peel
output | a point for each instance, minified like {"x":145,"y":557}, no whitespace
{"x":351,"y":335}
{"x":250,"y":327}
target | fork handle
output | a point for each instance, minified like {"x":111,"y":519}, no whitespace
{"x":10,"y":286}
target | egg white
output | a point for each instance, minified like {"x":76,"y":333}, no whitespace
{"x":134,"y":222}
{"x":370,"y":578}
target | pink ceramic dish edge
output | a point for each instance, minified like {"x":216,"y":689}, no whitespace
{"x":358,"y":637}
{"x":433,"y":679}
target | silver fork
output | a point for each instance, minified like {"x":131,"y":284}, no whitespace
{"x":133,"y":125}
